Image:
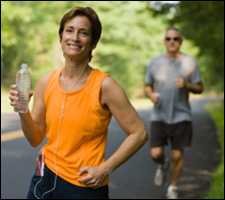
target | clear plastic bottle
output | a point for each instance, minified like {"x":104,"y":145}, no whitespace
{"x":23,"y":85}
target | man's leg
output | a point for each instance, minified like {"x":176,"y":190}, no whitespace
{"x":157,"y":154}
{"x":176,"y":169}
{"x":158,"y":140}
{"x":176,"y":165}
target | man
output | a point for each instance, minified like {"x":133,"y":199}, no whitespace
{"x":169,"y":80}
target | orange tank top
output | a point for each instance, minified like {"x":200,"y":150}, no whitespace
{"x":76,"y":127}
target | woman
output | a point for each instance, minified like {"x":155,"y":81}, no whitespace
{"x":72,"y":107}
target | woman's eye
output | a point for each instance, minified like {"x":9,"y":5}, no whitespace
{"x":84,"y":33}
{"x":69,"y":30}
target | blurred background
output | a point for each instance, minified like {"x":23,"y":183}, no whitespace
{"x":132,"y":35}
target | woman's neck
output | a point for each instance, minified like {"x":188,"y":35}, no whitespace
{"x":74,"y":69}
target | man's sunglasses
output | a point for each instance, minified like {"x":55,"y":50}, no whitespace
{"x":176,"y":39}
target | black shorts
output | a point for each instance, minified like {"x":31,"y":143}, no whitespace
{"x":47,"y":187}
{"x":179,"y":135}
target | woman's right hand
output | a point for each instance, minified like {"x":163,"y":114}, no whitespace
{"x":14,"y":97}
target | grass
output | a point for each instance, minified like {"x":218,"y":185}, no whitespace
{"x":217,"y":186}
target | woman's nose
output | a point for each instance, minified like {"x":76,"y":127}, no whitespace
{"x":76,"y":36}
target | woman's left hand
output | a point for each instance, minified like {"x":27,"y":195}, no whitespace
{"x":92,"y":176}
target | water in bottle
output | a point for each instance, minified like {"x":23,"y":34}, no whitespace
{"x":23,"y":85}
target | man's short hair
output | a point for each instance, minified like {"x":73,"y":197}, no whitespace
{"x":173,"y":28}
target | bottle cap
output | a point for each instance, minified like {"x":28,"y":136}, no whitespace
{"x":24,"y":66}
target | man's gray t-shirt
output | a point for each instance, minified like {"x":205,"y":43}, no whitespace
{"x":161,"y":74}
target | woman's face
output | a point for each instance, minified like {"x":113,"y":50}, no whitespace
{"x":76,"y":38}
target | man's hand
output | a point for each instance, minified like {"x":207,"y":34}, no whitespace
{"x":92,"y":176}
{"x":180,"y":83}
{"x":155,"y":98}
{"x":196,"y":88}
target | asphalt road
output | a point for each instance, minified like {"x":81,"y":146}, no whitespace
{"x":134,"y":179}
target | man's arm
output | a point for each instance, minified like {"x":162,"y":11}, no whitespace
{"x":196,"y":88}
{"x":154,"y":97}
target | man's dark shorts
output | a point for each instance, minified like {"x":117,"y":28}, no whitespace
{"x":179,"y":135}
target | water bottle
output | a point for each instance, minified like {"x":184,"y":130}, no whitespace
{"x":23,"y":85}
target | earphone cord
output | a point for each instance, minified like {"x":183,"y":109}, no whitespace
{"x":57,"y":145}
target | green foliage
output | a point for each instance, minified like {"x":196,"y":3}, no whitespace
{"x":27,"y":36}
{"x":203,"y":22}
{"x":131,"y":36}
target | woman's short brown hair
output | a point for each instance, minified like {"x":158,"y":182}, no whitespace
{"x":96,"y":27}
